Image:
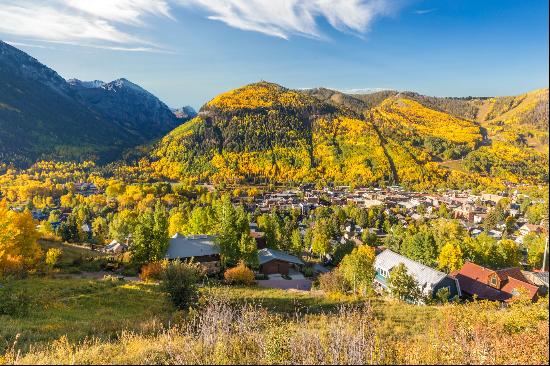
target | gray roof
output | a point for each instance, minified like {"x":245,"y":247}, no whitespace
{"x":191,"y":246}
{"x":542,"y":276}
{"x":426,"y":277}
{"x":267,"y":254}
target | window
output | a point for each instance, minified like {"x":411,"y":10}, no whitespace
{"x":493,"y":281}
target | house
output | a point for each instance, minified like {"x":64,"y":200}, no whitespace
{"x":259,"y":237}
{"x":494,"y":198}
{"x":539,"y":279}
{"x":429,"y":280}
{"x":115,"y":247}
{"x":495,"y":234}
{"x":530,"y":228}
{"x":200,"y":248}
{"x":273,"y":261}
{"x":487,"y":284}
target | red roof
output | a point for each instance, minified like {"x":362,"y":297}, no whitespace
{"x":474,"y":280}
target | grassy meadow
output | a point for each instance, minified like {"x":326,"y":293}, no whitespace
{"x":82,"y":321}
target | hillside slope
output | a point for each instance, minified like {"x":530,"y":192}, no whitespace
{"x":128,"y":106}
{"x":264,"y":132}
{"x":44,"y":117}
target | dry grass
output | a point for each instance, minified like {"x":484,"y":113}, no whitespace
{"x":249,"y":325}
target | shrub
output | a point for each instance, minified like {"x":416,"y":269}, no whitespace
{"x":52,"y":257}
{"x":261,"y":277}
{"x":179,"y":280}
{"x":14,"y":303}
{"x":333,"y":282}
{"x":308,"y":271}
{"x":151,"y":271}
{"x":239,"y":275}
{"x":130,"y":270}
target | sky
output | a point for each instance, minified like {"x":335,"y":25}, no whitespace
{"x":188,"y":51}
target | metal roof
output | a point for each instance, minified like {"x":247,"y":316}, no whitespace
{"x":191,"y":246}
{"x":426,"y":277}
{"x":267,"y":254}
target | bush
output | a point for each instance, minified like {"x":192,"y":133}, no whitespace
{"x":333,"y":282}
{"x":261,"y":277}
{"x":52,"y":257}
{"x":239,"y":275}
{"x":130,"y":270}
{"x":308,"y":271}
{"x":14,"y":303}
{"x":92,"y":265}
{"x":151,"y":271}
{"x":179,"y":280}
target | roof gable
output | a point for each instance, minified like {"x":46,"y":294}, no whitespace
{"x":424,"y":275}
{"x":267,"y":255}
{"x":191,"y":246}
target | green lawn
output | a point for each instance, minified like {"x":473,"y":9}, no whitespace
{"x":81,"y":308}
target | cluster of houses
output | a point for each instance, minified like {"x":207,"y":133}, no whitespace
{"x":471,"y":281}
{"x":469,"y":208}
{"x":203,"y":249}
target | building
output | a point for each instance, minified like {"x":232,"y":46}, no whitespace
{"x":273,"y":261}
{"x":429,"y":280}
{"x":487,"y":284}
{"x":530,"y":228}
{"x":115,"y":247}
{"x":494,"y":198}
{"x":200,"y":248}
{"x":539,"y":279}
{"x":259,"y":237}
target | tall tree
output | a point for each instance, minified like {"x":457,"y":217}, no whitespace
{"x":150,"y":236}
{"x":402,"y":285}
{"x":358,"y":268}
{"x":19,"y":249}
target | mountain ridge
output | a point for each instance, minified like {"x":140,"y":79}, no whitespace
{"x":43,"y":116}
{"x":266,"y":132}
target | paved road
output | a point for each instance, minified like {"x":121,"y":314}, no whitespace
{"x":304,"y":284}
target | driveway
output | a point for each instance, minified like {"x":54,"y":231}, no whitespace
{"x":297,"y":284}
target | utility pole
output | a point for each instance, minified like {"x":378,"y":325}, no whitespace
{"x":545,"y":257}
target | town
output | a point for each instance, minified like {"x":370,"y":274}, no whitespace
{"x":352,"y":218}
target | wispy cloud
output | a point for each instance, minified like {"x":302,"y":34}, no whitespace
{"x":22,"y":44}
{"x":283,"y":18}
{"x":115,"y":24}
{"x":363,"y":90}
{"x":83,"y":23}
{"x":124,"y":11}
{"x":424,"y":11}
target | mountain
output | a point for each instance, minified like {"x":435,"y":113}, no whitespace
{"x":128,"y":106}
{"x":265,"y":132}
{"x":184,"y":113}
{"x":42,"y":116}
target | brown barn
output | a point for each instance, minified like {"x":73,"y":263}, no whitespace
{"x":274,"y":261}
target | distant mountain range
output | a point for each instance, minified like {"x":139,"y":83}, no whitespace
{"x":42,"y":116}
{"x":185,"y":113}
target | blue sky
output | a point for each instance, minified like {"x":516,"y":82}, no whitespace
{"x":188,"y":51}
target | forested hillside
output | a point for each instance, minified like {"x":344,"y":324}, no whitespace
{"x":265,"y":132}
{"x":42,"y":116}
